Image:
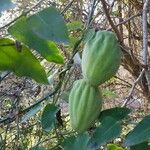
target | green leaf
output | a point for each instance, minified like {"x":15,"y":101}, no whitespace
{"x":31,"y":113}
{"x":21,"y":61}
{"x":73,"y":40}
{"x":141,"y":146}
{"x":140,"y":133}
{"x":117,"y":113}
{"x":48,"y":116}
{"x":22,"y":31}
{"x":6,"y":4}
{"x":108,"y":130}
{"x":76,"y":142}
{"x":108,"y":93}
{"x":75,"y":25}
{"x":113,"y":147}
{"x":49,"y":24}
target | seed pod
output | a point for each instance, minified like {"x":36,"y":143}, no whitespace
{"x":85,"y":104}
{"x":101,"y":58}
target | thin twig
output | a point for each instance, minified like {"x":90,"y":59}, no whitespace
{"x":112,"y":3}
{"x":67,"y":7}
{"x":17,"y":122}
{"x":2,"y":77}
{"x":127,"y":83}
{"x":23,"y":14}
{"x":127,"y":20}
{"x":132,"y":88}
{"x":106,"y":11}
{"x":91,"y":13}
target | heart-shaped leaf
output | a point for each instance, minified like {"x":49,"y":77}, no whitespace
{"x":48,"y":116}
{"x":49,"y":24}
{"x":22,"y":31}
{"x":140,"y":133}
{"x":21,"y":61}
{"x":108,"y":130}
{"x":117,"y":113}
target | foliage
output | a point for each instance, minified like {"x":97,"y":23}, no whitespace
{"x":100,"y":62}
{"x":140,"y":133}
{"x":50,"y":34}
{"x":76,"y":142}
{"x":48,"y":116}
{"x":37,"y":31}
{"x":108,"y":130}
{"x":15,"y":59}
{"x":113,"y":147}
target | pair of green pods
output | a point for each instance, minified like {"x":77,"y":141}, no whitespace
{"x":101,"y":59}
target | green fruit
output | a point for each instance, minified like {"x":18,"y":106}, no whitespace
{"x":85,"y":104}
{"x":101,"y":58}
{"x":113,"y":147}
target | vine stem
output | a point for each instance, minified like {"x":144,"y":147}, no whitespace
{"x":91,"y":13}
{"x":106,"y":11}
{"x":132,"y":88}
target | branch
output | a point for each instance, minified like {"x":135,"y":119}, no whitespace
{"x":145,"y":42}
{"x":67,"y":7}
{"x":91,"y":13}
{"x":132,"y":88}
{"x":125,"y":21}
{"x":145,"y":33}
{"x":106,"y":11}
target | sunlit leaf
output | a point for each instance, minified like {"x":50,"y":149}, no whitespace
{"x":75,"y":25}
{"x":21,"y":61}
{"x":73,"y":40}
{"x":114,"y":147}
{"x":108,"y":93}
